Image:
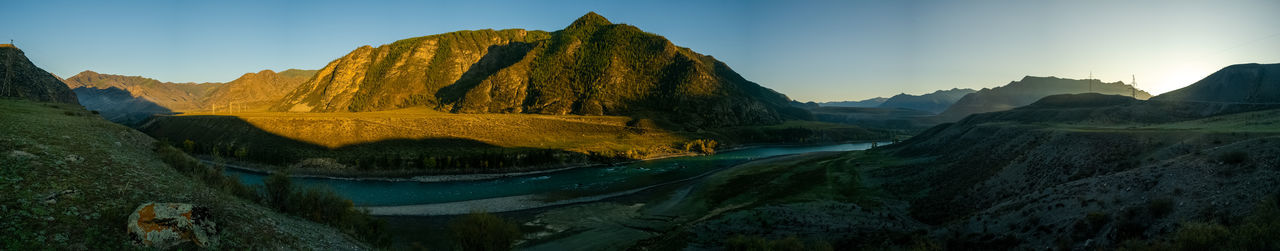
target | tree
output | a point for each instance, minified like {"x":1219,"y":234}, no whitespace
{"x":483,"y":231}
{"x":242,"y":152}
{"x":189,"y":146}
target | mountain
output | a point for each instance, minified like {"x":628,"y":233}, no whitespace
{"x":118,"y":105}
{"x":172,"y":96}
{"x":935,"y":102}
{"x":260,"y":89}
{"x":22,"y":79}
{"x":1242,"y":83}
{"x":591,"y":67}
{"x":131,"y":100}
{"x":871,"y":102}
{"x":1028,"y":90}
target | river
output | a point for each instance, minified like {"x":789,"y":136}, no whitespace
{"x":568,"y":184}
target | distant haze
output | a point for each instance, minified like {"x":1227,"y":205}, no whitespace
{"x":809,"y":50}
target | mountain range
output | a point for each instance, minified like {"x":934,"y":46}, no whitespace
{"x":132,"y":99}
{"x":935,"y":102}
{"x":865,"y":103}
{"x":1030,"y":89}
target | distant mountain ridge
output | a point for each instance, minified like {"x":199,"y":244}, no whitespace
{"x":1028,"y":90}
{"x":22,"y":79}
{"x":248,"y":91}
{"x":1242,"y":83}
{"x":934,"y":102}
{"x":173,"y":96}
{"x":871,"y":102}
{"x":131,"y":99}
{"x":592,"y":67}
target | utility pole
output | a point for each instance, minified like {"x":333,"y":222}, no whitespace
{"x":1090,"y":80}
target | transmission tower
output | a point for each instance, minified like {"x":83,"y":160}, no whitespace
{"x":1133,"y":87}
{"x":1090,"y":80}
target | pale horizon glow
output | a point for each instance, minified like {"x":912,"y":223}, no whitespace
{"x":812,"y":50}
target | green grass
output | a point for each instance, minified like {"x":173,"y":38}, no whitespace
{"x":106,"y":170}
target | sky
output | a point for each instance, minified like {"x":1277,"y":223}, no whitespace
{"x":809,"y":50}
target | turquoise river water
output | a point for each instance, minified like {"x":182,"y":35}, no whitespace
{"x":577,"y":182}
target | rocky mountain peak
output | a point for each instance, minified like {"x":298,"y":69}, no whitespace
{"x":591,"y":19}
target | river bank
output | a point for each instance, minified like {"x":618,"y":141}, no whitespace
{"x":453,"y":176}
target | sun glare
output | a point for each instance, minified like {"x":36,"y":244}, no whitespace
{"x":1178,"y":77}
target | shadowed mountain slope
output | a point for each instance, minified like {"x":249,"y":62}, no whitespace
{"x":172,"y":96}
{"x":1243,"y":83}
{"x":22,"y":79}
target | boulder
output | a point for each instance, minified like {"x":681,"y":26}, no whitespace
{"x":164,"y":225}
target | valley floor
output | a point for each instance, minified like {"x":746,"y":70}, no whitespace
{"x":422,"y":142}
{"x":1169,"y":179}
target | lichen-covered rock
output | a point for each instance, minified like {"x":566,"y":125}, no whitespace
{"x":164,"y":225}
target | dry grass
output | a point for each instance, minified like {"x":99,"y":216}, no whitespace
{"x":567,"y":132}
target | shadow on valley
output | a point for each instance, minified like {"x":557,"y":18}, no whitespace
{"x":119,"y":105}
{"x":233,"y":138}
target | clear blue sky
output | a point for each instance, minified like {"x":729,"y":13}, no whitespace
{"x":809,"y":50}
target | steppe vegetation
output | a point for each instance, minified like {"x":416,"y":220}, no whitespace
{"x":71,"y":179}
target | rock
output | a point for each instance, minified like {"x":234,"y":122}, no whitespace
{"x":21,"y":155}
{"x":74,"y":158}
{"x":53,"y":197}
{"x":164,"y":225}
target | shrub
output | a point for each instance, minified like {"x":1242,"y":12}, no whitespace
{"x":189,"y":146}
{"x":278,"y":189}
{"x":706,"y":146}
{"x":1201,"y":236}
{"x":1159,"y":208}
{"x":757,"y":243}
{"x":483,"y":231}
{"x":1233,"y":157}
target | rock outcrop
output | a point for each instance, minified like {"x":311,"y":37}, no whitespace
{"x":164,"y":225}
{"x":22,"y":79}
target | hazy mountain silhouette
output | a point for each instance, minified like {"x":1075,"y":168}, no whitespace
{"x":1246,"y":83}
{"x":935,"y":102}
{"x":1029,"y":90}
{"x":871,"y":102}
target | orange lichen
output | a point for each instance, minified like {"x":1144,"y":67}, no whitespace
{"x":146,"y":222}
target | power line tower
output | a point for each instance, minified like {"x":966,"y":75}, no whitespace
{"x":1090,"y":80}
{"x":1133,"y":87}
